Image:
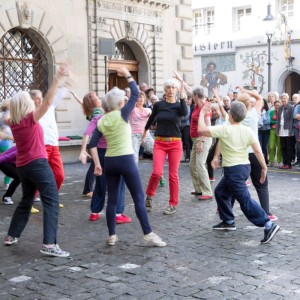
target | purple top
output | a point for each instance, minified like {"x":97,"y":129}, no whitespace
{"x":89,"y":131}
{"x":9,"y":156}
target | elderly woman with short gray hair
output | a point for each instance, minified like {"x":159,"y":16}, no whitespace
{"x":167,"y":115}
{"x":201,"y":145}
{"x":119,"y":160}
{"x":235,"y":138}
{"x":284,"y":129}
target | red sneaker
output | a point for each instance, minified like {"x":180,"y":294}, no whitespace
{"x":205,"y":197}
{"x":122,"y":219}
{"x":285,"y":167}
{"x":212,"y":179}
{"x":248,"y":183}
{"x":273,"y":218}
{"x":94,"y":217}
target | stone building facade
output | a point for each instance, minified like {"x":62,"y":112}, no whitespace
{"x":232,"y":35}
{"x":151,"y":37}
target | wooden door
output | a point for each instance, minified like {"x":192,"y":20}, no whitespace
{"x":121,"y":82}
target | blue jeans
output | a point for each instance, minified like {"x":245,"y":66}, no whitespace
{"x":98,"y":198}
{"x":37,"y":175}
{"x":232,"y":185}
{"x":115,"y":168}
{"x":296,"y":133}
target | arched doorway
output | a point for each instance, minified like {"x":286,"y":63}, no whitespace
{"x":292,"y":83}
{"x":123,"y":56}
{"x":23,"y":63}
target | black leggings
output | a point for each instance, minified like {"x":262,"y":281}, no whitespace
{"x":287,"y":144}
{"x":209,"y":159}
{"x":11,"y":171}
{"x":262,"y":189}
{"x":118,"y":166}
{"x":186,"y":141}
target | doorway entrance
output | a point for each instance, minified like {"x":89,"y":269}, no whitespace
{"x":123,"y":56}
{"x":292,"y":84}
{"x":121,"y":82}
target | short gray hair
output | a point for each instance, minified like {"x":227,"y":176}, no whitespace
{"x":172,"y":82}
{"x":198,"y":91}
{"x":113,"y":99}
{"x":238,"y":111}
{"x":284,"y":95}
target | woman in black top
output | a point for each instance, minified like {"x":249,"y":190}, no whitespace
{"x":167,"y":115}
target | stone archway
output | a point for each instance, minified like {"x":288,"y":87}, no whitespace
{"x":21,"y":15}
{"x":143,"y":36}
{"x":128,"y":53}
{"x":23,"y":62}
{"x":289,"y":81}
{"x":39,"y":23}
{"x":292,"y":83}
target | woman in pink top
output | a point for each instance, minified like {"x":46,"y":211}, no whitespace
{"x":33,"y":168}
{"x":138,"y":119}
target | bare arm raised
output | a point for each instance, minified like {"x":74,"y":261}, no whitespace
{"x":223,"y":112}
{"x":187,"y":88}
{"x":259,"y":100}
{"x":49,"y":98}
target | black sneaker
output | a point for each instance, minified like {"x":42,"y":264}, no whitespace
{"x":224,"y":226}
{"x":269,"y":233}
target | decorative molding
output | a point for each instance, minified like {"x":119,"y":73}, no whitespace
{"x":91,"y":3}
{"x":129,"y":9}
{"x":100,"y":22}
{"x":32,"y":17}
{"x":158,"y":30}
{"x":130,"y":29}
{"x":159,"y":3}
{"x":165,"y":4}
{"x":24,"y":14}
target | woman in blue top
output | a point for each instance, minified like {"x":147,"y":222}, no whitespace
{"x":119,"y":160}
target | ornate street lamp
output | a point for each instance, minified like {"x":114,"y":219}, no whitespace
{"x":269,"y":20}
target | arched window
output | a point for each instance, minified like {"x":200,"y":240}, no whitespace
{"x":122,"y":52}
{"x":23,"y":64}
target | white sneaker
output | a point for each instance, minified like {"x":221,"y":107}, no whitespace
{"x":54,"y":251}
{"x":112,"y":239}
{"x":154,"y":240}
{"x":37,"y":199}
{"x":7,"y":201}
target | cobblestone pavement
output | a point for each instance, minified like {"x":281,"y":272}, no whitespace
{"x":197,"y":263}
